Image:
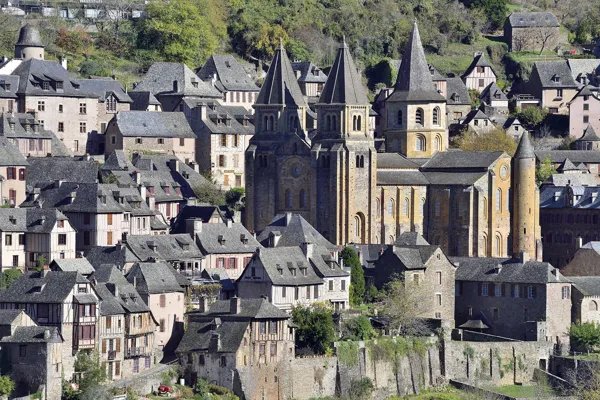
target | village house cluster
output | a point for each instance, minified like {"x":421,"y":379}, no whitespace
{"x":99,"y":193}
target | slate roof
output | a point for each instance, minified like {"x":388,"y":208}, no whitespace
{"x":230,"y":74}
{"x":161,"y":75}
{"x":293,"y":232}
{"x":198,"y":336}
{"x":344,"y":84}
{"x":524,"y":149}
{"x":589,"y":135}
{"x":43,"y":220}
{"x":33,"y":287}
{"x":573,"y":179}
{"x":457,"y":92}
{"x":474,"y":114}
{"x":481,"y":269}
{"x":203,"y":213}
{"x":394,"y":161}
{"x":249,"y":308}
{"x":401,"y":177}
{"x":117,"y":160}
{"x":33,"y":334}
{"x":279,"y":263}
{"x":22,"y":125}
{"x":462,"y":160}
{"x":10,"y":154}
{"x":307,"y":72}
{"x":47,"y":170}
{"x":222,"y":120}
{"x":547,"y":70}
{"x":492,"y":93}
{"x":13,"y":219}
{"x":8,"y":86}
{"x":220,"y":275}
{"x":80,"y":265}
{"x":412,"y":257}
{"x":168,"y":247}
{"x":89,"y":198}
{"x":478,"y":61}
{"x":104,"y":87}
{"x":29,"y":36}
{"x":154,"y":278}
{"x":280,"y":85}
{"x":114,"y":255}
{"x":453,"y":178}
{"x":587,"y":285}
{"x":141,"y":100}
{"x":126,"y":300}
{"x":583,"y":68}
{"x":532,"y":19}
{"x":577,"y":156}
{"x":567,"y":165}
{"x":414,"y":81}
{"x":154,"y":124}
{"x":233,"y":235}
{"x":8,"y":316}
{"x":410,"y":239}
{"x":585,"y":201}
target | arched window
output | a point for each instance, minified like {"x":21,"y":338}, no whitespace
{"x":357,"y":225}
{"x":271,"y":124}
{"x":399,"y":119}
{"x":405,"y":207}
{"x":302,"y":198}
{"x":420,"y":144}
{"x":437,"y":143}
{"x":498,"y":199}
{"x":508,"y":200}
{"x":358,"y":123}
{"x":593,"y":306}
{"x":484,"y":208}
{"x":498,"y":246}
{"x":362,"y":161}
{"x":419,"y":116}
{"x":354,"y":123}
{"x":436,"y":207}
{"x":436,"y":116}
{"x":333,"y":122}
{"x":391,"y":240}
{"x":422,"y":207}
{"x":390,"y":208}
{"x":484,"y":246}
{"x":288,"y":198}
{"x":328,"y":122}
{"x":377,"y":207}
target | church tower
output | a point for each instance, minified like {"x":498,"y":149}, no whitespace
{"x":526,"y":232}
{"x":345,"y":155}
{"x":29,"y":44}
{"x":277,"y":160}
{"x":416,"y":111}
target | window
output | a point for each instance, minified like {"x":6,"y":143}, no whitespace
{"x":163,"y":301}
{"x":498,"y":246}
{"x":288,"y":198}
{"x":399,"y":119}
{"x":438,"y":277}
{"x":559,"y":93}
{"x":436,"y":116}
{"x":566,"y":292}
{"x":60,"y":108}
{"x":283,"y":291}
{"x":45,"y":85}
{"x":136,"y":365}
{"x":82,"y":108}
{"x":437,"y":143}
{"x":223,"y":140}
{"x":516,"y":293}
{"x":307,"y":288}
{"x":138,"y":141}
{"x":160,"y":140}
{"x":593,"y":306}
{"x":41,"y":106}
{"x":586,"y":107}
{"x":111,"y":104}
{"x":484,"y":289}
{"x":390,"y":208}
{"x":162,"y":325}
{"x":481,"y":83}
{"x":343,"y":285}
{"x":109,"y":238}
{"x":21,"y":240}
{"x":61,"y":126}
{"x":15,"y":261}
{"x":86,"y":238}
{"x":62,"y":239}
{"x":405,"y":207}
{"x":438,"y":299}
{"x":296,"y":293}
{"x":302,"y":198}
{"x":419,"y":116}
{"x":420,"y":143}
{"x":82,"y":127}
{"x":330,"y":285}
{"x":273,"y":349}
{"x":498,"y":290}
{"x":531,"y":292}
{"x":8,"y":240}
{"x":109,"y":219}
{"x":23,"y":350}
{"x":586,"y":119}
{"x":222,"y":161}
{"x":498,"y":199}
{"x":262,"y":327}
{"x":436,"y":207}
{"x":261,"y":350}
{"x":201,"y":359}
{"x":480,"y":70}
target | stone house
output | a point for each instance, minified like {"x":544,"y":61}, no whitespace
{"x":13,"y":168}
{"x":458,"y":101}
{"x":158,"y":132}
{"x":32,"y":355}
{"x":221,"y":143}
{"x":493,"y":100}
{"x":586,"y":297}
{"x":207,"y":214}
{"x":479,"y":74}
{"x":591,"y":159}
{"x":126,"y":326}
{"x":553,"y":84}
{"x":160,"y":289}
{"x":8,"y":93}
{"x":585,"y":262}
{"x":584,"y":71}
{"x":63,"y":300}
{"x":516,"y":298}
{"x":81,"y":265}
{"x":584,"y":108}
{"x":144,"y":101}
{"x":228,"y":76}
{"x":239,"y":343}
{"x":478,"y":121}
{"x":24,"y":131}
{"x":311,"y":79}
{"x":170,"y":83}
{"x":425,"y":268}
{"x":43,"y":172}
{"x":589,"y":141}
{"x":531,"y":31}
{"x":224,"y":245}
{"x":511,"y":125}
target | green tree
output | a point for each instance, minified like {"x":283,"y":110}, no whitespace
{"x":6,"y":385}
{"x":40,"y":263}
{"x":233,"y":196}
{"x":532,"y":116}
{"x":357,"y":279}
{"x":585,"y":335}
{"x":8,"y":277}
{"x":358,"y":328}
{"x":315,"y":332}
{"x":186,"y":31}
{"x":209,"y":193}
{"x":92,"y":374}
{"x":474,"y":95}
{"x":494,"y":140}
{"x":544,"y":170}
{"x":494,"y":10}
{"x":404,"y":303}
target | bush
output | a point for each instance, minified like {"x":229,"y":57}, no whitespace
{"x":532,"y":116}
{"x":358,"y":328}
{"x":357,"y":280}
{"x":6,"y":385}
{"x":315,"y":331}
{"x":201,"y":389}
{"x":585,"y":335}
{"x":360,"y":389}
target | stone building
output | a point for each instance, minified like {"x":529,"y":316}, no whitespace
{"x":24,"y":131}
{"x":589,"y":159}
{"x":531,"y":31}
{"x":479,"y":74}
{"x":458,"y":101}
{"x":586,"y":297}
{"x":585,"y":262}
{"x":552,"y":82}
{"x":13,"y":167}
{"x":424,"y":267}
{"x":245,"y":345}
{"x":311,"y":80}
{"x":29,"y":44}
{"x":583,"y":105}
{"x":493,"y":100}
{"x":8,"y":93}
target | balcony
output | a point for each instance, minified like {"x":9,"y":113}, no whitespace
{"x":138,"y":352}
{"x":112,"y":354}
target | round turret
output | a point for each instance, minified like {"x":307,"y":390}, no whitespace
{"x":29,"y":44}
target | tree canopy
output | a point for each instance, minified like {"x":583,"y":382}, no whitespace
{"x":494,"y":140}
{"x":357,"y":278}
{"x":316,"y":332}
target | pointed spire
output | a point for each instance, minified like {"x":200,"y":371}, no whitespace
{"x":280,"y":85}
{"x":414,"y":78}
{"x":589,"y":135}
{"x":525,"y":149}
{"x":344,"y":84}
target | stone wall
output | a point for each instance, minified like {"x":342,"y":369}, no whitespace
{"x":144,"y":382}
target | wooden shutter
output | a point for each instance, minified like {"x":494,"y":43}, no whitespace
{"x":479,"y":289}
{"x":504,"y":289}
{"x":118,"y":346}
{"x":109,"y":219}
{"x":108,"y":322}
{"x":118,"y":367}
{"x":492,"y":290}
{"x":104,"y":346}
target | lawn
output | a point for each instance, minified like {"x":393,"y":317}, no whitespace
{"x":587,"y":356}
{"x":523,"y":391}
{"x":449,"y":393}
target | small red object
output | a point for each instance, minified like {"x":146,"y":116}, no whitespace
{"x":164,"y":389}
{"x":572,"y":51}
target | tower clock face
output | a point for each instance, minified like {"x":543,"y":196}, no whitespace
{"x":504,"y":172}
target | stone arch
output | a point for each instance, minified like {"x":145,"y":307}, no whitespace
{"x":436,"y":116}
{"x":437,"y":143}
{"x":359,"y":227}
{"x":593,"y":306}
{"x":420,"y":143}
{"x":497,"y":245}
{"x":419,"y":116}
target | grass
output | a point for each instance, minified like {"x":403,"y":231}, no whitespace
{"x":523,"y":391}
{"x":532,"y":56}
{"x":586,"y":356}
{"x":457,"y":57}
{"x":449,"y":393}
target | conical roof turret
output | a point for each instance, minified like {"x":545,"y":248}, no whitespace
{"x":280,"y":86}
{"x":414,"y":81}
{"x":29,"y":36}
{"x":525,"y":149}
{"x":344,"y":84}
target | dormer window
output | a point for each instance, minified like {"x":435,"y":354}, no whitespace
{"x":103,"y":199}
{"x":59,"y":86}
{"x":556,"y":79}
{"x":221,"y":240}
{"x":45,"y":85}
{"x":556,"y":196}
{"x":7,"y":87}
{"x":195,"y":84}
{"x":167,"y":191}
{"x":243,"y":238}
{"x":111,"y":104}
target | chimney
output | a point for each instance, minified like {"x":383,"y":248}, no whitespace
{"x":288,"y":218}
{"x":137,"y":177}
{"x":152,"y":245}
{"x":114,"y":289}
{"x":79,"y":254}
{"x":193,"y":226}
{"x":119,"y":245}
{"x":235,"y":306}
{"x":229,"y":223}
{"x":72,"y":197}
{"x":307,"y":249}
{"x":63,"y":62}
{"x":174,"y":165}
{"x":46,"y":334}
{"x":151,"y":201}
{"x":523,"y":257}
{"x":42,"y":219}
{"x":498,"y":268}
{"x":203,"y":304}
{"x":578,"y":242}
{"x":45,"y":270}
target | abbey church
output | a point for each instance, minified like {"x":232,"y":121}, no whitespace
{"x":326,"y":167}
